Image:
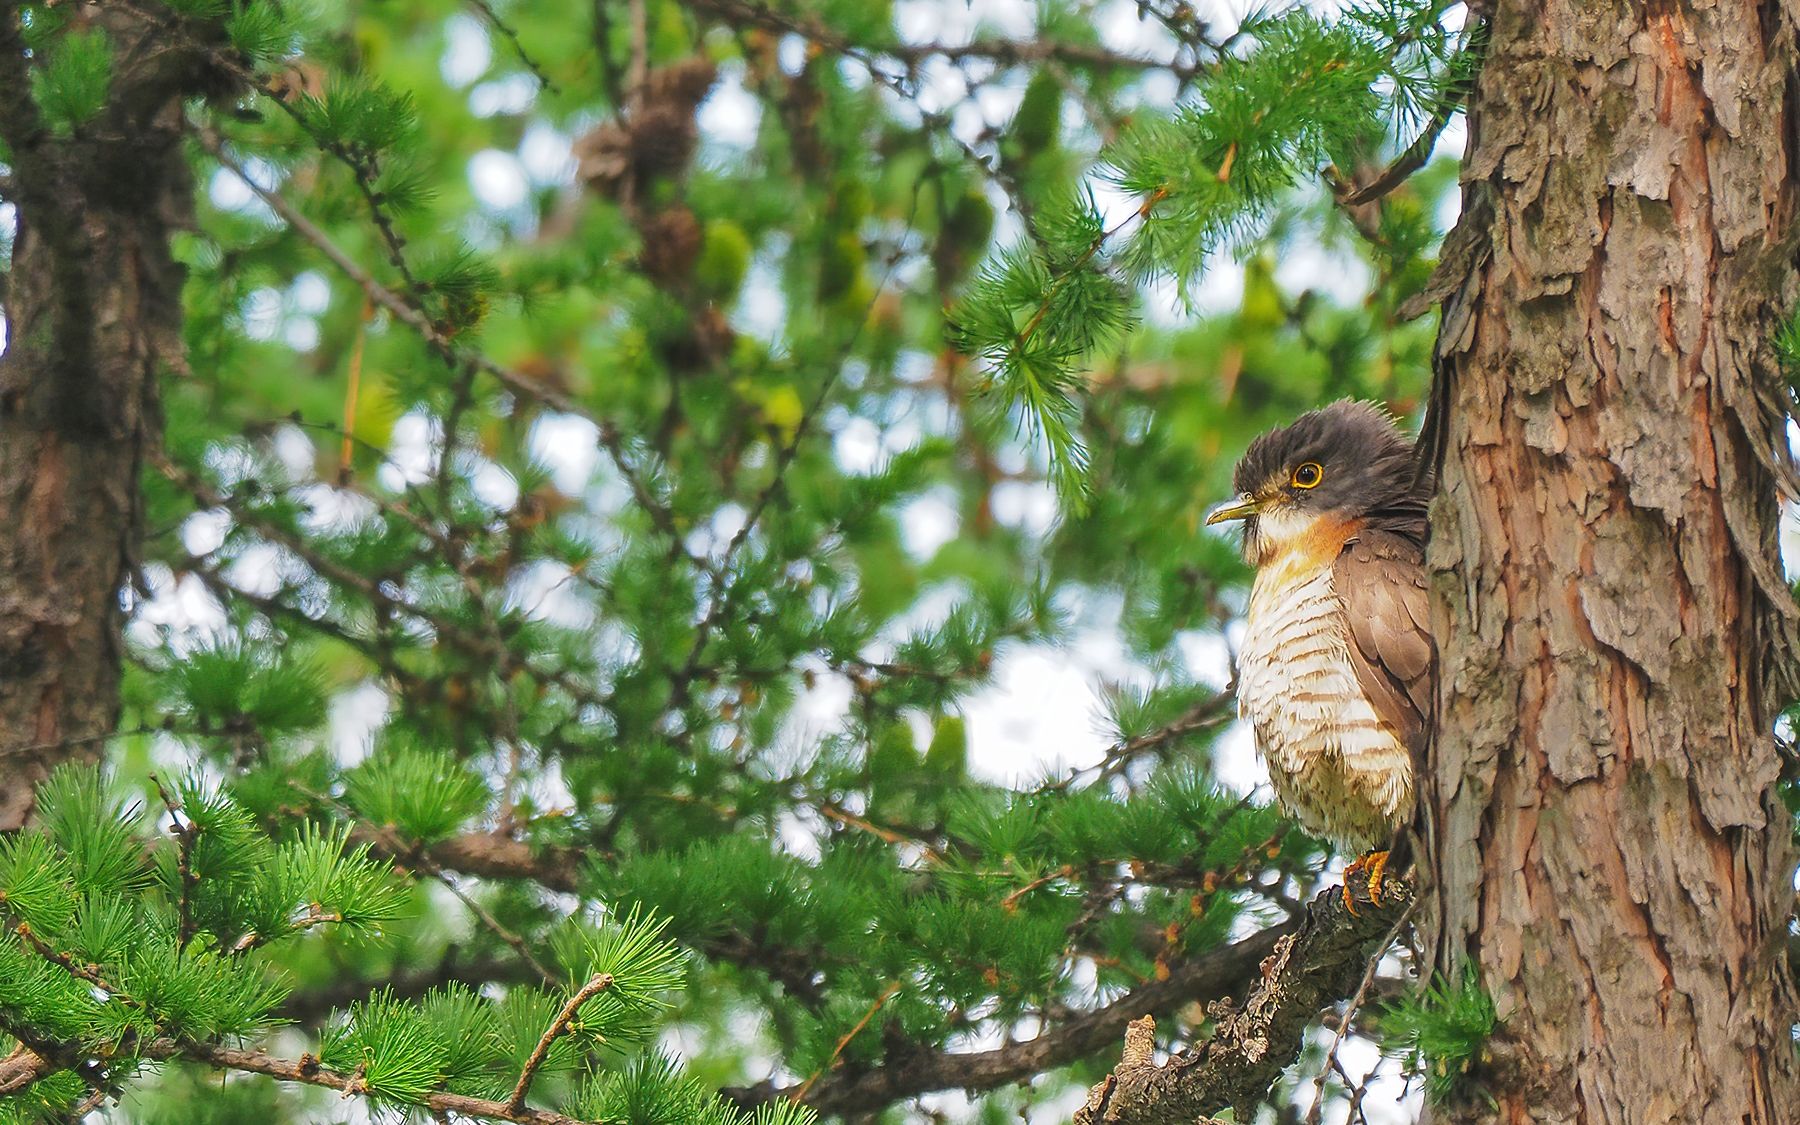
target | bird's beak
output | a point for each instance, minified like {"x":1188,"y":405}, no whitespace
{"x":1240,"y":509}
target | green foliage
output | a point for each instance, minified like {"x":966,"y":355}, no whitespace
{"x":1787,"y":348}
{"x":425,"y":795}
{"x":70,"y":87}
{"x":102,"y":955}
{"x":101,"y":960}
{"x":1445,"y":1028}
{"x":652,"y":1092}
{"x":231,"y":687}
{"x":1312,"y":93}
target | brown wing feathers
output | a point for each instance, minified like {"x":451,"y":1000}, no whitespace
{"x":1380,"y":578}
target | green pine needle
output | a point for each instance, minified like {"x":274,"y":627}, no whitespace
{"x":1445,"y":1027}
{"x":70,"y":88}
{"x":424,"y":795}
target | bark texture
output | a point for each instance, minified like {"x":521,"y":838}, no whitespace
{"x":1314,"y":967}
{"x":93,"y":311}
{"x":1613,"y":623}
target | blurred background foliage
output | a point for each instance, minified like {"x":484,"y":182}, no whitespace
{"x":574,"y":497}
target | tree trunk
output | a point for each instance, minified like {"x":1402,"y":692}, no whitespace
{"x":1613,"y":622}
{"x":93,"y":310}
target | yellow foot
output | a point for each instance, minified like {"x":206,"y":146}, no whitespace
{"x":1375,"y":863}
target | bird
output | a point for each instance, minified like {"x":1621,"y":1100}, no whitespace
{"x":1337,"y":667}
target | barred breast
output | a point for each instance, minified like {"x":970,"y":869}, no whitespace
{"x":1334,"y":765}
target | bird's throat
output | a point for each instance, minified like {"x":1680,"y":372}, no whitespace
{"x":1296,"y":543}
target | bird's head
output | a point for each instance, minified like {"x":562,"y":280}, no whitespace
{"x":1343,"y":464}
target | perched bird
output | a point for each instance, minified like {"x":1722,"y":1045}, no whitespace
{"x":1337,"y":664}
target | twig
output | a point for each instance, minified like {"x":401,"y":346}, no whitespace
{"x":70,"y":742}
{"x":413,"y":316}
{"x":843,"y":1042}
{"x":850,"y":819}
{"x":512,"y":37}
{"x":559,"y":1027}
{"x":184,"y":837}
{"x":308,"y":1071}
{"x":87,"y":973}
{"x":87,"y":1105}
{"x":1350,"y":1010}
{"x":1011,"y":902}
{"x":354,"y":390}
{"x":1000,"y":52}
{"x":1350,"y":195}
{"x":1216,"y":710}
{"x":413,"y":856}
{"x":316,"y":915}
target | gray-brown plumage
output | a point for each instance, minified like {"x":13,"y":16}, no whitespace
{"x":1335,"y":672}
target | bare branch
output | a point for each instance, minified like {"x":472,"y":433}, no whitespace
{"x":997,"y":51}
{"x":308,"y":1071}
{"x":511,"y":35}
{"x":1319,"y":964}
{"x":862,"y":1088}
{"x":559,"y":1027}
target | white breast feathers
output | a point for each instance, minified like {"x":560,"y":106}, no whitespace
{"x":1335,"y":766}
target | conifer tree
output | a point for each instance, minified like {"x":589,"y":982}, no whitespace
{"x":514,"y":517}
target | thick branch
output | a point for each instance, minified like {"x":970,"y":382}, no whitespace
{"x":1319,"y":964}
{"x":1216,"y":973}
{"x":491,"y":856}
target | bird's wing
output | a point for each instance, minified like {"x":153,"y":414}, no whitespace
{"x":1380,"y":578}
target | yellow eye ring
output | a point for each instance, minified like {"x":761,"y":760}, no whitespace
{"x":1308,"y":474}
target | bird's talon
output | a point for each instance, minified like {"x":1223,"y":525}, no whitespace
{"x":1375,"y":863}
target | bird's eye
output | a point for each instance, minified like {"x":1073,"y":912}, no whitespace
{"x":1308,"y":474}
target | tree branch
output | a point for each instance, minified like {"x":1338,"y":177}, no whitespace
{"x":997,"y":51}
{"x":1319,"y":964}
{"x":849,"y":1091}
{"x":308,"y":1071}
{"x":307,"y":1006}
{"x":558,"y":1028}
{"x":25,"y":1066}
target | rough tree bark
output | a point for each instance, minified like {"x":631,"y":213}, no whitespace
{"x":93,"y":311}
{"x":1614,"y":625}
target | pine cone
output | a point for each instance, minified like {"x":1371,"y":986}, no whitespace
{"x":663,"y":137}
{"x":684,"y":83}
{"x":672,"y":240}
{"x":603,"y":158}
